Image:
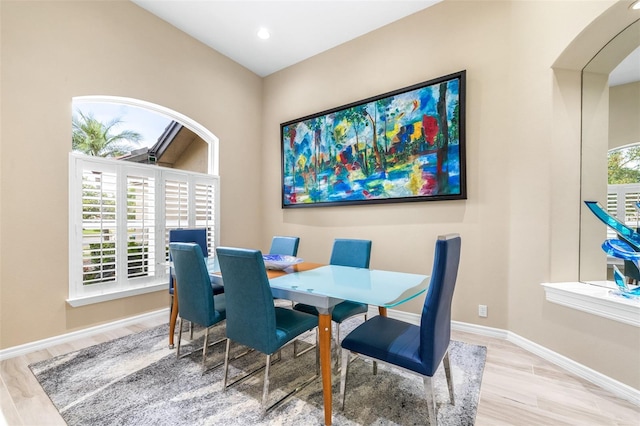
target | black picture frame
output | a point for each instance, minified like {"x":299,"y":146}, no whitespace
{"x":402,"y":146}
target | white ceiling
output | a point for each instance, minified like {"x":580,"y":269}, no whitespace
{"x":299,"y":28}
{"x":627,"y":71}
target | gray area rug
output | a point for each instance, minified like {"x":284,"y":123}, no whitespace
{"x":137,"y":380}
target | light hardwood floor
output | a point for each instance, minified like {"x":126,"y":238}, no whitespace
{"x":518,"y":388}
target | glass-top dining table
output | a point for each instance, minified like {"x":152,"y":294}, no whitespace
{"x":324,"y":286}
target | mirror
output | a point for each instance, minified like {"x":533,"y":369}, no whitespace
{"x":610,"y":111}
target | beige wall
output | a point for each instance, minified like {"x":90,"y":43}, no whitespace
{"x":519,"y":225}
{"x":595,"y":130}
{"x":624,"y":114}
{"x":195,"y":157}
{"x":523,"y":159}
{"x":53,"y":51}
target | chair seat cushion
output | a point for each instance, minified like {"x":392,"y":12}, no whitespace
{"x":217,"y":289}
{"x":341,"y":311}
{"x":306,"y":308}
{"x":290,"y":324}
{"x":220,"y":303}
{"x":388,"y":340}
{"x":347,"y":309}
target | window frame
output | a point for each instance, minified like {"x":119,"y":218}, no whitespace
{"x":79,"y":294}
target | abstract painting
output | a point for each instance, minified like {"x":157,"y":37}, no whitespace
{"x":405,"y":145}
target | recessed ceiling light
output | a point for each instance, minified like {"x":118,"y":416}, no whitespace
{"x":263,"y":33}
{"x":635,"y":5}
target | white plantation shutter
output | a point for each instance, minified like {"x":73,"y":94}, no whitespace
{"x":631,"y":214}
{"x":120,"y":214}
{"x":205,"y":209}
{"x":176,"y":201}
{"x":141,"y":226}
{"x":621,"y":204}
{"x":99,"y":226}
{"x":191,"y":201}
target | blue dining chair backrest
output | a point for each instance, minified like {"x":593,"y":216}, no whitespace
{"x":350,"y":252}
{"x":284,"y":245}
{"x":345,"y":252}
{"x":251,"y":318}
{"x":195,"y":297}
{"x":435,"y":322}
{"x":188,"y":235}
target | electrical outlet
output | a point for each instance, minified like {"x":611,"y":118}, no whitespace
{"x":482,"y":311}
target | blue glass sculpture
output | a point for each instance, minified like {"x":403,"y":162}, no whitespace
{"x":626,"y":248}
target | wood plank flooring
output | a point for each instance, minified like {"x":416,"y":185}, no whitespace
{"x":518,"y":388}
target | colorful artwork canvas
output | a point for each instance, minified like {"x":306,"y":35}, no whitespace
{"x":406,"y":145}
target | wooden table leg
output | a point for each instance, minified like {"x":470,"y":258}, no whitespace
{"x":174,"y":314}
{"x":324,"y":328}
{"x":382,"y":311}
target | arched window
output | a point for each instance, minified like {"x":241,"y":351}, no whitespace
{"x":122,"y":205}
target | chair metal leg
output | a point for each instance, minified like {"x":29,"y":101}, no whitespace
{"x":296,"y":354}
{"x":265,"y":387}
{"x":431,"y":401}
{"x":179,"y":339}
{"x":265,"y":392}
{"x":190,"y":330}
{"x":245,"y":376}
{"x":204,"y":347}
{"x":226,"y":365}
{"x":172,"y":324}
{"x":449,"y":375}
{"x":343,"y":375}
{"x":337,"y":343}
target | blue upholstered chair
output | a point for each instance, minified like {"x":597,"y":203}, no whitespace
{"x":197,"y":302}
{"x":416,"y":349}
{"x":287,"y":246}
{"x":252,"y":318}
{"x":187,"y":235}
{"x":345,"y":252}
{"x":284,"y":245}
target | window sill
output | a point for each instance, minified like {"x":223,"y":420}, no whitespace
{"x":104,"y":297}
{"x":594,"y":300}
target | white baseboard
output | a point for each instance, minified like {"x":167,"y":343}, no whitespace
{"x":619,"y":389}
{"x":75,"y":335}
